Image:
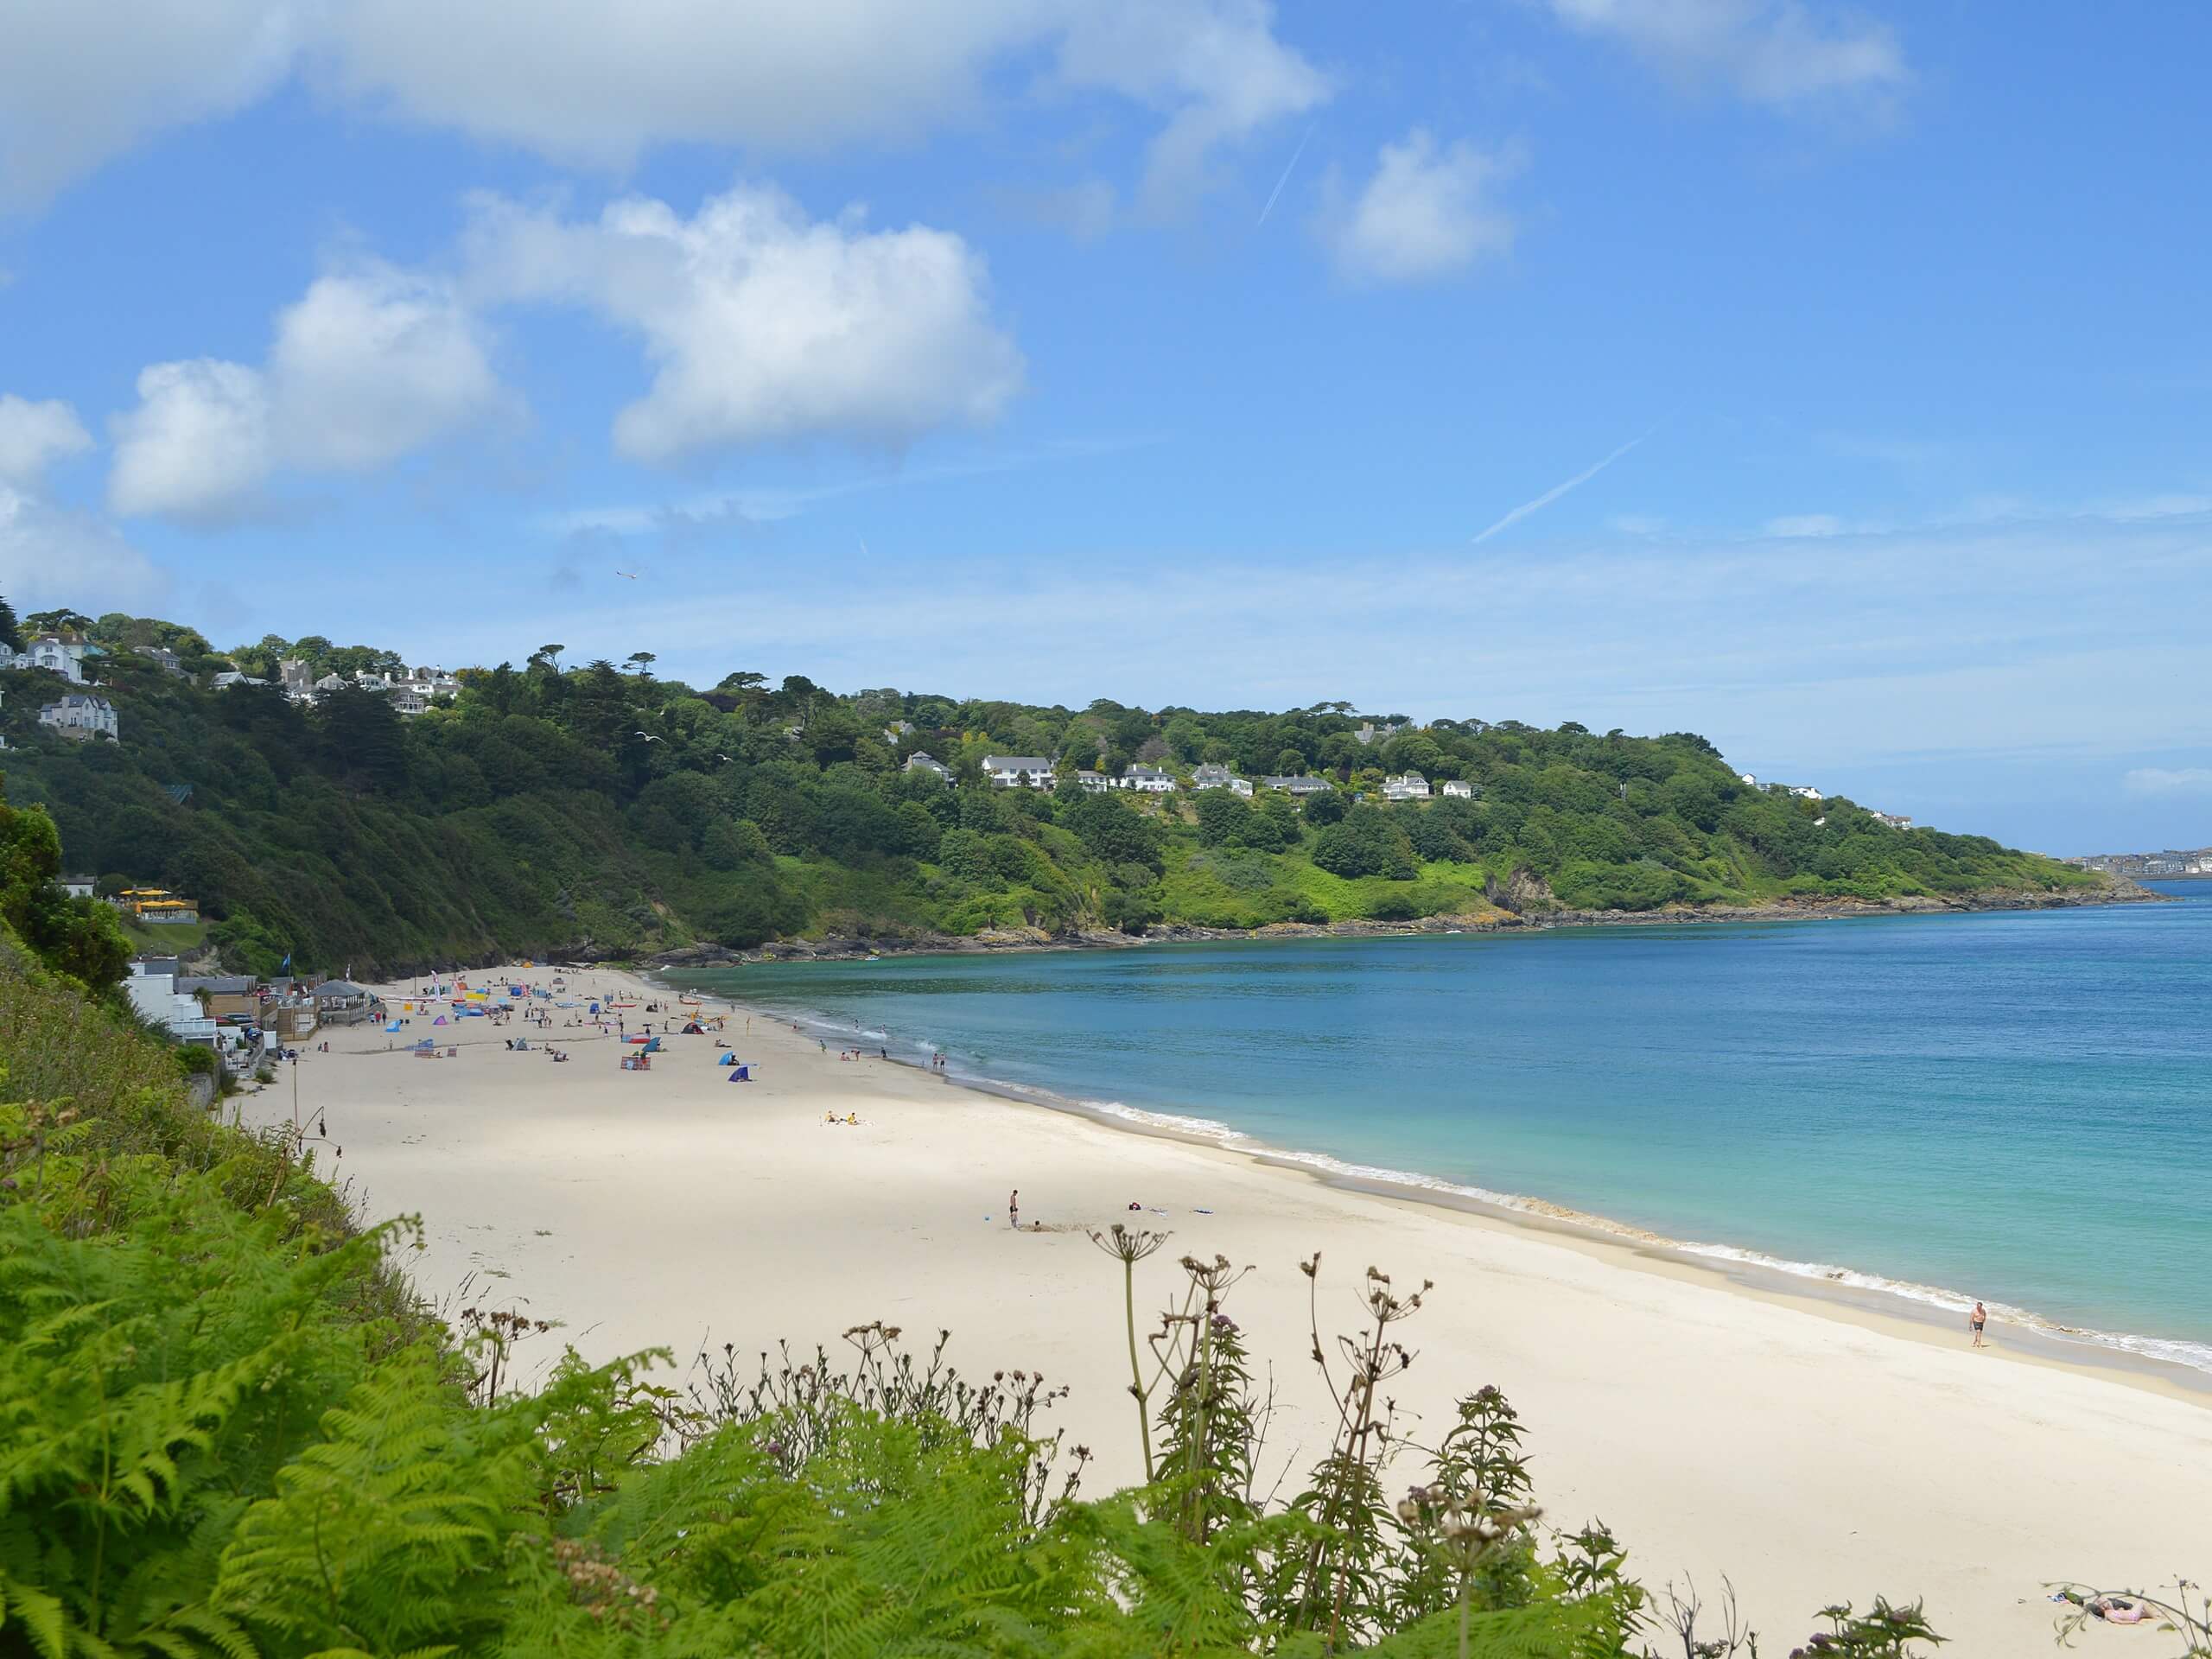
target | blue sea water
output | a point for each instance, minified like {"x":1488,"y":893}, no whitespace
{"x":2014,"y":1106}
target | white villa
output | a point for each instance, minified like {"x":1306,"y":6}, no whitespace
{"x":1803,"y":792}
{"x":1149,"y":780}
{"x":1094,"y":783}
{"x":54,"y":653}
{"x":1411,"y":786}
{"x":1299,"y":786}
{"x":156,"y":996}
{"x":1458,"y":788}
{"x":80,"y":716}
{"x":1012,"y":771}
{"x":1894,"y":821}
{"x":1210,"y":776}
{"x":917,"y":761}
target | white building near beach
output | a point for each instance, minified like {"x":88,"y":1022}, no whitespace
{"x":1407,"y":786}
{"x":1149,"y":780}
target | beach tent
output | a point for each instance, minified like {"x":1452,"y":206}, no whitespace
{"x":440,"y":1020}
{"x":394,"y":1026}
{"x":694,"y":1030}
{"x":741,"y":1074}
{"x":726,"y":1059}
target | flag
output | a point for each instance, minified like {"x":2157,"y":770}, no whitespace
{"x":287,"y":962}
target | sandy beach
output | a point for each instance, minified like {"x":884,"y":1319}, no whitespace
{"x":1809,"y":1449}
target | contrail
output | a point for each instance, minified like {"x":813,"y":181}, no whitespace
{"x":1558,"y":489}
{"x":1282,"y":181}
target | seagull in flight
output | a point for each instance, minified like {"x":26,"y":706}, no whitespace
{"x":648,"y":736}
{"x":626,"y":576}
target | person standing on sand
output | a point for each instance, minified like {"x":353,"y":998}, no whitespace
{"x":1976,"y":1320}
{"x":1013,"y":1209}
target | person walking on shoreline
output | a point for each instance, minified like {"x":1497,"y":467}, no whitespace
{"x":1013,"y":1209}
{"x":1976,"y":1320}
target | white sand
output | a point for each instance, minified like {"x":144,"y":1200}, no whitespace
{"x":1810,"y":1452}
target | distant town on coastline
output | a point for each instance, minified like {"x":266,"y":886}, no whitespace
{"x":334,"y":804}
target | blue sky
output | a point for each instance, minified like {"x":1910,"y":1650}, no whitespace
{"x":1178,"y":351}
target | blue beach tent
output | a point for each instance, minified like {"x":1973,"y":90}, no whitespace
{"x":741,"y":1074}
{"x":726,"y":1059}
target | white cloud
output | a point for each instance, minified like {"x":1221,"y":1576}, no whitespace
{"x":367,"y":366}
{"x":2160,"y":780}
{"x":764,"y":325}
{"x":1423,"y":215}
{"x":1772,"y":51}
{"x":50,"y":556}
{"x":1215,"y":66}
{"x":33,"y":436}
{"x":374,"y":363}
{"x":81,"y":83}
{"x":582,"y":82}
{"x":198,"y":447}
{"x":1795,"y":526}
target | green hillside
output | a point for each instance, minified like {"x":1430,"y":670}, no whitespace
{"x":599,"y":809}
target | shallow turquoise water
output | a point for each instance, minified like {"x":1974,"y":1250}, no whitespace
{"x":2015,"y":1106}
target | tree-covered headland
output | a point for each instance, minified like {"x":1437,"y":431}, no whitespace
{"x":554,"y":807}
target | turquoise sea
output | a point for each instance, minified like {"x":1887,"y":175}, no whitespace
{"x":2013,"y":1106}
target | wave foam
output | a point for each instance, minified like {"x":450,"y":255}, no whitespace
{"x":2192,"y":1356}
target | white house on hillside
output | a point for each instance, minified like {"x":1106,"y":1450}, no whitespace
{"x":1411,"y":786}
{"x":1300,"y":787}
{"x":1149,"y":780}
{"x":1013,"y":771}
{"x":82,"y":715}
{"x":54,"y":653}
{"x":1210,"y":776}
{"x":1093,"y":782}
{"x":1458,"y":788}
{"x":1802,"y":792}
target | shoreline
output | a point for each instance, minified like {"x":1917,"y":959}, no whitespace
{"x":1918,"y":1311}
{"x":840,"y":947}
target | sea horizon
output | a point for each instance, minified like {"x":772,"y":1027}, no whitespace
{"x":1771,"y":1136}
